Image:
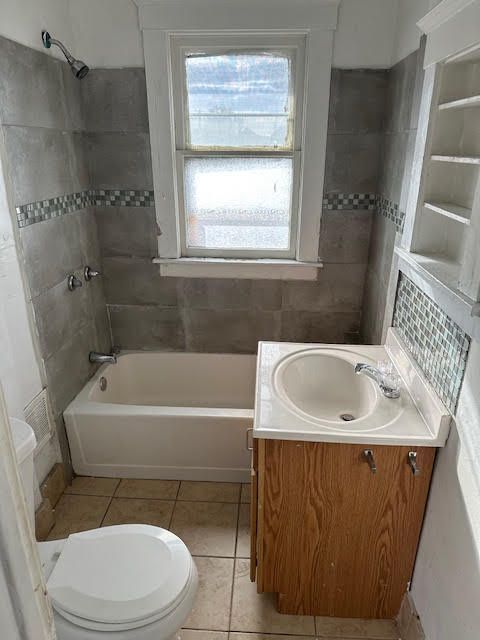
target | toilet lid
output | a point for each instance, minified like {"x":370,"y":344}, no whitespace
{"x":120,"y":574}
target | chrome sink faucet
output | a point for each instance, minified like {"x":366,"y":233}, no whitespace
{"x":386,"y":378}
{"x":102,"y":358}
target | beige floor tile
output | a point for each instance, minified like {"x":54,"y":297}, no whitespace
{"x":77,"y":513}
{"x":356,"y":628}
{"x":246,"y":493}
{"x":207,"y":528}
{"x":163,"y":489}
{"x":135,"y":511}
{"x":265,"y":636}
{"x":197,"y":634}
{"x":210,"y":491}
{"x":89,"y":486}
{"x":243,"y":537}
{"x":212,"y":606}
{"x":256,"y":612}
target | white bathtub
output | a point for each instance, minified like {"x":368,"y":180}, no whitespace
{"x":180,"y":416}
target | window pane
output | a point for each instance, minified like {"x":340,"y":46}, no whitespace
{"x":238,"y":203}
{"x":239,"y":100}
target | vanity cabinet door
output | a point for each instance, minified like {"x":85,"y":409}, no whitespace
{"x":336,"y":538}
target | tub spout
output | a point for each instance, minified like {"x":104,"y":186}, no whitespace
{"x":102,"y":358}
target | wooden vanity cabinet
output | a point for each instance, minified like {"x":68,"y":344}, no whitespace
{"x":329,"y":536}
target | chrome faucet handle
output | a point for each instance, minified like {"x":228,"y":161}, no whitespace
{"x":389,"y":376}
{"x":89,"y":273}
{"x":73,"y":282}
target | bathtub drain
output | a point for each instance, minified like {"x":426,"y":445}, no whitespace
{"x":347,"y":417}
{"x":103,"y":383}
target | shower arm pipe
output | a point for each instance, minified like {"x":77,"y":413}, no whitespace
{"x":63,"y":49}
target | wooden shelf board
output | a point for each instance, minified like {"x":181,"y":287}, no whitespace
{"x":456,"y":159}
{"x":463,"y":103}
{"x":452,"y":211}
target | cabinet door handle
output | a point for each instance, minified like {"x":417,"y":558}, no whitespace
{"x":247,"y":433}
{"x":368,"y":454}
{"x":412,"y":461}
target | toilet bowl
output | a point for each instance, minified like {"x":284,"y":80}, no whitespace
{"x":124,"y":582}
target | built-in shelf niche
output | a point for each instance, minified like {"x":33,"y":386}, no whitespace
{"x":446,"y":233}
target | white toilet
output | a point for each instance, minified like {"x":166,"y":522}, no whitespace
{"x":126,"y":582}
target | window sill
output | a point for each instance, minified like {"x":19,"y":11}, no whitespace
{"x":242,"y":269}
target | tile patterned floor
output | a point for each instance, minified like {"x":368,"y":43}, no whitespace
{"x":213,"y":520}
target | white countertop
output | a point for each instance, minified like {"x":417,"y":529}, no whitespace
{"x":417,"y":418}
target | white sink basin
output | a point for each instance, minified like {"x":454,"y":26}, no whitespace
{"x":311,"y":392}
{"x":322,"y":384}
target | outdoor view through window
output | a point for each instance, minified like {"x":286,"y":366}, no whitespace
{"x":239,"y":109}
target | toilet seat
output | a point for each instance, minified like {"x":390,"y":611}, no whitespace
{"x":120,"y":577}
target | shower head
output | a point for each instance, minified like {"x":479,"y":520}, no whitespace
{"x":79,"y":68}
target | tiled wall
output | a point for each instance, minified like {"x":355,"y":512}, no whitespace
{"x":42,"y":127}
{"x":148,"y":311}
{"x":404,"y":86}
{"x":437,"y":343}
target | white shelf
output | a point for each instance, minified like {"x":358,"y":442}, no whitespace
{"x":463,"y":103}
{"x":452,"y":211}
{"x":437,"y":276}
{"x":457,"y":159}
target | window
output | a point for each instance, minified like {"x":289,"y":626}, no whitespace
{"x":237,"y":113}
{"x":238,"y":107}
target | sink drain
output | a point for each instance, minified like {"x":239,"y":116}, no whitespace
{"x":347,"y":417}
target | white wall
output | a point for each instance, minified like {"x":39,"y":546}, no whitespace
{"x":407,"y":33}
{"x":365,"y":33}
{"x":446,"y":583}
{"x":107,"y":32}
{"x":19,"y":369}
{"x":23,"y":21}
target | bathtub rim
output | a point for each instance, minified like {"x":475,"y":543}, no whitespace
{"x":82,"y":398}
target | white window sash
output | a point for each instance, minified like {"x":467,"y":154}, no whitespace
{"x":237,"y":253}
{"x":315,"y":103}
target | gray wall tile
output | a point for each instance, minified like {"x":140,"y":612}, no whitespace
{"x":51,"y":250}
{"x":127,"y":231}
{"x":41,"y":163}
{"x":400,"y":93}
{"x":394,"y":154}
{"x":29,"y":87}
{"x":318,"y":326}
{"x":68,"y":369}
{"x":402,"y":109}
{"x":119,"y":158}
{"x":146,"y":327}
{"x":71,"y":87}
{"x":115,"y":100}
{"x":230,"y":294}
{"x":137,"y":281}
{"x":345,"y":236}
{"x":339,"y":288}
{"x":352,"y":162}
{"x":229,"y":331}
{"x":60,"y":314}
{"x":357,"y":100}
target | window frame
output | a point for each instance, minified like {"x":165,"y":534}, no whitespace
{"x":221,"y":44}
{"x":162,"y":21}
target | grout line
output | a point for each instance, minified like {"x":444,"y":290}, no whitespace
{"x":171,"y":515}
{"x":106,"y":511}
{"x":231,"y":597}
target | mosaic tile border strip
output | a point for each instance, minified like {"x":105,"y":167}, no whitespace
{"x":389,"y":209}
{"x":34,"y":212}
{"x":436,"y":342}
{"x":42,"y":210}
{"x":339,"y":201}
{"x":122,"y":198}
